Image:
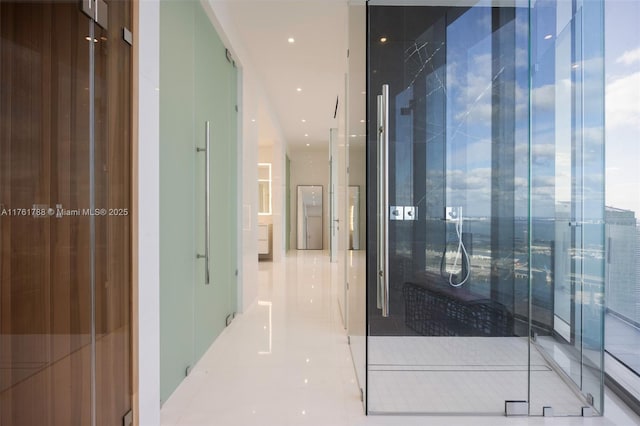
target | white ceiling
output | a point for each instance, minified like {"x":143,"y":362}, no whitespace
{"x":316,"y":62}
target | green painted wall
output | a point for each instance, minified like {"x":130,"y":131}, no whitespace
{"x":197,"y":84}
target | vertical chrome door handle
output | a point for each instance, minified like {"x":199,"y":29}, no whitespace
{"x":207,"y":216}
{"x":383,"y":200}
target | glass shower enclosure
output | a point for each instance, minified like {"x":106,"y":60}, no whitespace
{"x":485,"y":203}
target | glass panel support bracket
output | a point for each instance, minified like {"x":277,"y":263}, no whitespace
{"x":127,"y":420}
{"x":127,"y":36}
{"x":516,"y":408}
{"x":98,"y":10}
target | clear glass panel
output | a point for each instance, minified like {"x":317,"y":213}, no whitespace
{"x":45,"y":299}
{"x":567,"y":204}
{"x":52,"y":172}
{"x":622,"y":235}
{"x":456,"y":337}
{"x":356,"y":163}
{"x":112,"y":174}
{"x":493,"y":296}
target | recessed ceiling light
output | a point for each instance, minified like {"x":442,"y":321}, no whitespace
{"x":253,"y":120}
{"x":548,"y":37}
{"x":362,"y":121}
{"x":353,"y":136}
{"x":291,"y":40}
{"x":304,"y":121}
{"x":306,"y":134}
{"x":307,"y":144}
{"x":299,"y":89}
{"x":383,"y":39}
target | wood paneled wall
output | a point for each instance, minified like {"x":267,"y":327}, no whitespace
{"x":46,"y":261}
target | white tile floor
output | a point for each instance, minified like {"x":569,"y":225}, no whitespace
{"x":419,"y":374}
{"x":286,"y":361}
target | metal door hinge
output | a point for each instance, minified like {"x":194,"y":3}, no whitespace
{"x":516,"y":408}
{"x":229,"y":319}
{"x":127,"y":36}
{"x":98,"y":10}
{"x":127,"y":420}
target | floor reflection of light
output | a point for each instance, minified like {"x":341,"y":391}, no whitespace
{"x":270,"y":306}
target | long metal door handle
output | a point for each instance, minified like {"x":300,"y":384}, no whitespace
{"x":383,"y":198}
{"x":378,"y":207}
{"x":207,"y":216}
{"x":385,"y":209}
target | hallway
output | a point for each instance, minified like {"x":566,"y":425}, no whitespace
{"x":286,"y":362}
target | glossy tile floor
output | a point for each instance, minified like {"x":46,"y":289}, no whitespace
{"x":286,"y":361}
{"x":429,"y":374}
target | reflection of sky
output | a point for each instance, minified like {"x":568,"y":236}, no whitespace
{"x":472,"y":72}
{"x":622,"y":65}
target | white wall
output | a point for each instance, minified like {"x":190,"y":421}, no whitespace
{"x":253,"y":100}
{"x":259,"y":126}
{"x":148,"y":253}
{"x":310,"y":166}
{"x":249,"y":240}
{"x":358,"y":176}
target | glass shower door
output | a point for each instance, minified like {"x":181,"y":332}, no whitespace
{"x":477,"y":302}
{"x":567,"y":204}
{"x":448,"y":312}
